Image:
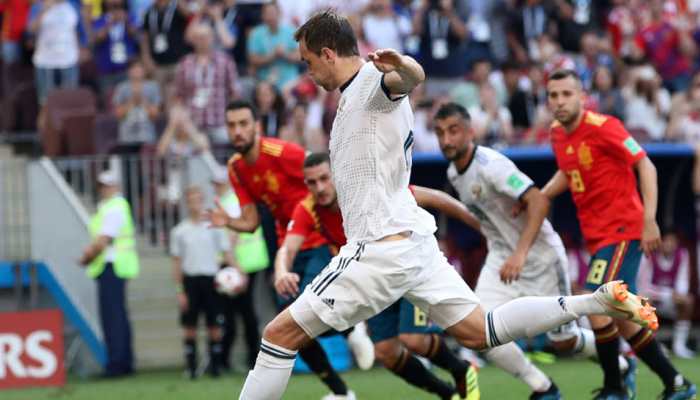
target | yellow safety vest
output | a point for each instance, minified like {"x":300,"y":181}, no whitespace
{"x":250,"y":250}
{"x":126,"y":259}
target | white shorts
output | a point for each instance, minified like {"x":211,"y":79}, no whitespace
{"x":365,"y":278}
{"x":552,"y":281}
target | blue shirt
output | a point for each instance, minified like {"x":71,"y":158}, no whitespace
{"x":112,"y":55}
{"x":263,"y":42}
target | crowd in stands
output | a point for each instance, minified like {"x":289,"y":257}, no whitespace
{"x":163,"y":70}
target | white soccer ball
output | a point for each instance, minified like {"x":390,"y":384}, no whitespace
{"x":230,"y":281}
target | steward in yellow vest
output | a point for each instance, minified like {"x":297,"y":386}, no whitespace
{"x":111,"y":259}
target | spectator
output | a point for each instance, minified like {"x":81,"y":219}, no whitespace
{"x":272,"y":50}
{"x":526,"y":26}
{"x":15,"y":14}
{"x":179,"y":141}
{"x":363,"y":45}
{"x":137,"y":104}
{"x":590,"y":58}
{"x":647,"y":104}
{"x":111,"y":259}
{"x":163,"y":41}
{"x":492,"y":122}
{"x":271,"y":108}
{"x":251,"y":256}
{"x":383,"y":27}
{"x":669,"y":45}
{"x":295,"y":130}
{"x":574,"y":18}
{"x":664,"y":277}
{"x":54,"y":24}
{"x":622,"y":27}
{"x":519,"y":103}
{"x":685,"y":115}
{"x":480,"y":25}
{"x":205,"y":81}
{"x":195,"y":249}
{"x":466,"y":92}
{"x":606,"y":94}
{"x":442,"y":36}
{"x":425,"y":140}
{"x":222,"y":19}
{"x":115,"y":38}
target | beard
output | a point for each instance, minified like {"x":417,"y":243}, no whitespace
{"x":244,"y":148}
{"x":457,"y":153}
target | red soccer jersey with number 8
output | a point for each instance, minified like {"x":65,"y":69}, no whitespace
{"x":598,"y":159}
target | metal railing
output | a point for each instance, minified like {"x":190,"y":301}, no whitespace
{"x":153,"y":186}
{"x":14,"y":213}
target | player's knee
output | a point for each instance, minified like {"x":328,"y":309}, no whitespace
{"x":469,"y":335}
{"x":387,"y":352}
{"x":415,"y":343}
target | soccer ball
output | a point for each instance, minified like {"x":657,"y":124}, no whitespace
{"x":230,"y":281}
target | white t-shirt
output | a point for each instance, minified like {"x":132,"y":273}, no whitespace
{"x":57,"y":38}
{"x":385,"y":32}
{"x":371,"y":148}
{"x":490,"y":187}
{"x":198,"y":247}
{"x":112,"y":222}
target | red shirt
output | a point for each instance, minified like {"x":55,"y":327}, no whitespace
{"x":309,"y":217}
{"x":597,"y":158}
{"x":277,"y":180}
{"x":660,"y":42}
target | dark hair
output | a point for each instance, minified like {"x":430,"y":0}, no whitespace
{"x":328,"y":29}
{"x":238,"y":104}
{"x":315,"y":159}
{"x":563,"y":74}
{"x":449,"y":109}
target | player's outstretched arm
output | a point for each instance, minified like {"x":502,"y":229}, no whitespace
{"x":556,"y":186}
{"x":286,"y":282}
{"x":648,"y":185}
{"x":443,"y":202}
{"x":536,"y":208}
{"x":402,"y":73}
{"x":247,"y":222}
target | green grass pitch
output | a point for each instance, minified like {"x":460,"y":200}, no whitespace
{"x":576,"y":379}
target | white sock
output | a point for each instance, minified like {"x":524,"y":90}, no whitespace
{"x":526,"y":317}
{"x":585,"y":343}
{"x":585,"y":304}
{"x":269,"y":377}
{"x":681,"y":330}
{"x":511,"y":359}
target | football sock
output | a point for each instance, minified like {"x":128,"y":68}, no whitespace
{"x":190,"y":348}
{"x":215,"y":352}
{"x":530,"y":316}
{"x":317,"y":360}
{"x":510,"y":358}
{"x":681,"y":331}
{"x":414,"y":372}
{"x":647,"y":348}
{"x":607,"y":343}
{"x":440,"y":355}
{"x":268,"y":379}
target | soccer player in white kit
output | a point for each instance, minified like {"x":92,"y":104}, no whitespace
{"x":391,"y":251}
{"x":526,"y":256}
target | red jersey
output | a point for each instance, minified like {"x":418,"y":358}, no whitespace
{"x":598,"y":158}
{"x":276,"y":179}
{"x":309,"y":217}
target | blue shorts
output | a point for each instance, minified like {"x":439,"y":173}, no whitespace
{"x":307,"y":264}
{"x":400,"y":317}
{"x":618,"y":261}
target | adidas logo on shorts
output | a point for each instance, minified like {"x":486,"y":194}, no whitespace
{"x":329,"y":302}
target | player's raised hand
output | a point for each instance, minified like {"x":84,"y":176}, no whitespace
{"x":651,"y":237}
{"x":512,"y":267}
{"x":386,"y":60}
{"x":217,"y":217}
{"x":287,"y":284}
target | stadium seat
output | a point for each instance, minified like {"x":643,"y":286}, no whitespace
{"x":78,"y":132}
{"x":80,"y":106}
{"x":105,"y":133}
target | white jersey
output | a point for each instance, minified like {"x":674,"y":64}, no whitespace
{"x":490,"y":186}
{"x":370,"y":149}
